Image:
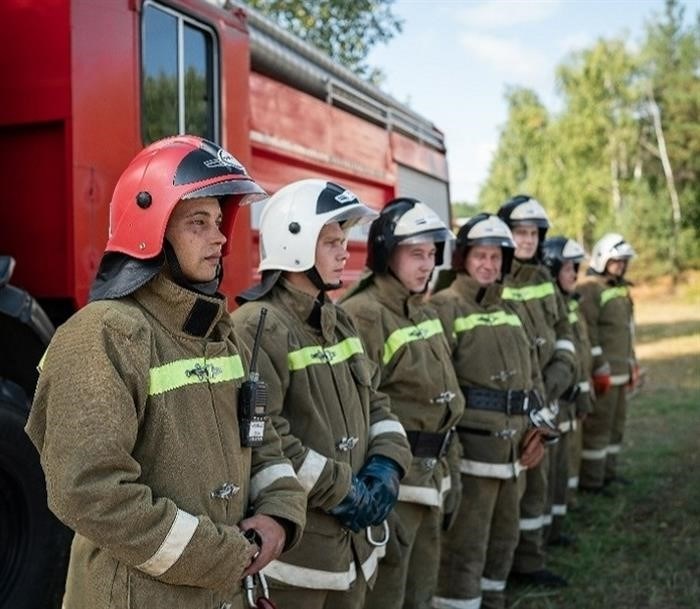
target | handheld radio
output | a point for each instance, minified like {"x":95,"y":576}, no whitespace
{"x":252,"y":398}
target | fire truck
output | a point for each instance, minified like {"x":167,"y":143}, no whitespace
{"x":84,"y":85}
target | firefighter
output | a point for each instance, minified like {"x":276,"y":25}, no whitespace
{"x":563,"y":257}
{"x":531,"y":292}
{"x":493,"y":358}
{"x":404,"y":338}
{"x":347,"y":448}
{"x":607,"y":306}
{"x":135,"y":409}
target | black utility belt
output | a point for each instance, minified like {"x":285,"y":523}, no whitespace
{"x":428,"y":444}
{"x":498,"y":400}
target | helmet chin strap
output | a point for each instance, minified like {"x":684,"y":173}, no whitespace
{"x":207,"y":288}
{"x":315,"y":278}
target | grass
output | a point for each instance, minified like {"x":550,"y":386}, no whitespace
{"x":641,"y":549}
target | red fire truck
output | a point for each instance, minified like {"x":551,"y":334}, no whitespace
{"x":85,"y":84}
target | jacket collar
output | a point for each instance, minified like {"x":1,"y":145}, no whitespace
{"x":180,"y":310}
{"x":469,"y":289}
{"x":396,"y":297}
{"x":305,"y":308}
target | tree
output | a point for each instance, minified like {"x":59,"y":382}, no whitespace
{"x":344,"y":30}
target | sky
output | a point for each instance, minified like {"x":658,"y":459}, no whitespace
{"x":454,"y":59}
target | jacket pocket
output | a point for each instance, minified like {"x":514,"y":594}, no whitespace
{"x":147,"y":593}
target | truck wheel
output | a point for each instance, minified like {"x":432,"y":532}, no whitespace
{"x":35,"y":545}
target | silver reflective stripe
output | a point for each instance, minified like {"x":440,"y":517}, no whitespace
{"x":547,"y":520}
{"x":304,"y":577}
{"x":573,"y":482}
{"x":565,"y":345}
{"x":439,"y":602}
{"x":311,"y":469}
{"x":531,"y":524}
{"x":385,"y":427}
{"x":619,"y":379}
{"x":589,"y":454}
{"x":584,"y":387}
{"x":596,"y":351}
{"x":174,"y":544}
{"x":493,"y":585}
{"x":503,"y":471}
{"x":559,"y":509}
{"x":370,"y":565}
{"x":613,"y":449}
{"x":268,"y":476}
{"x":425,"y":495}
{"x":565,"y":426}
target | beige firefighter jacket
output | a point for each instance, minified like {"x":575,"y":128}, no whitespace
{"x":490,"y":350}
{"x":135,"y":419}
{"x":324,"y":404}
{"x":404,"y":336}
{"x":532,"y":294}
{"x":607,"y":306}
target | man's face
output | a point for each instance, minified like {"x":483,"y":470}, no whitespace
{"x":331,"y":253}
{"x":193,"y":231}
{"x":413,"y":264}
{"x":567,"y":276}
{"x":527,"y":238}
{"x":483,"y":263}
{"x":616,"y":268}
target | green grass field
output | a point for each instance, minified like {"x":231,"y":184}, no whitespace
{"x":641,"y":549}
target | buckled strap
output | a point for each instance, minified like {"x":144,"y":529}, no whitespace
{"x":427,"y":444}
{"x":509,"y":402}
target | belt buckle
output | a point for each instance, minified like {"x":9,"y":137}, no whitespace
{"x":526,"y":401}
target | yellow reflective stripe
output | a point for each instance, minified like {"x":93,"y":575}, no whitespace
{"x":499,"y":318}
{"x":528,"y":292}
{"x":573,"y":311}
{"x":402,"y":336}
{"x":195,"y":370}
{"x":611,"y":293}
{"x":300,"y":359}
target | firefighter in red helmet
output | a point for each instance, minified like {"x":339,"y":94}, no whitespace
{"x":135,"y":412}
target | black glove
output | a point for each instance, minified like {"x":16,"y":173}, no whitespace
{"x":382,"y":476}
{"x":357,"y":510}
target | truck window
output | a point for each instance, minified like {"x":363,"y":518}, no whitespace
{"x":179,"y":75}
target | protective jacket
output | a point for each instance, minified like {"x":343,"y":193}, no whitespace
{"x":324,"y":404}
{"x":405,"y":338}
{"x":492,"y":357}
{"x":531,"y":292}
{"x":607,"y":306}
{"x":135,"y":418}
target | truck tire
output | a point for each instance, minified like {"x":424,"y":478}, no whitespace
{"x":35,"y":545}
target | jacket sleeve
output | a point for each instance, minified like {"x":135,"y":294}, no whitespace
{"x":325,"y":480}
{"x":85,"y":422}
{"x":590,"y":307}
{"x":275,"y":489}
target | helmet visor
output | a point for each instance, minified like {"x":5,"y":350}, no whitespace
{"x":250,"y":191}
{"x":432,"y":236}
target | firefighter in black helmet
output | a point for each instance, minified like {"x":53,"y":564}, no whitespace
{"x":405,"y":338}
{"x":493,"y":360}
{"x":532,"y":293}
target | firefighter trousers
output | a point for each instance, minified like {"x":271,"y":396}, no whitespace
{"x":407,"y":575}
{"x":575,"y":444}
{"x":477,"y":552}
{"x":558,"y":484}
{"x":600,"y":443}
{"x":530,"y":553}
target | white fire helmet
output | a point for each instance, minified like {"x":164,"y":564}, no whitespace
{"x":611,"y":246}
{"x":293,"y":217}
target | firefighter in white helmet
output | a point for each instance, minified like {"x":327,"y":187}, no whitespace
{"x":135,"y":414}
{"x":346,"y":447}
{"x":607,"y":305}
{"x":563,"y":256}
{"x":532,"y":293}
{"x":497,"y":372}
{"x":406,"y":340}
